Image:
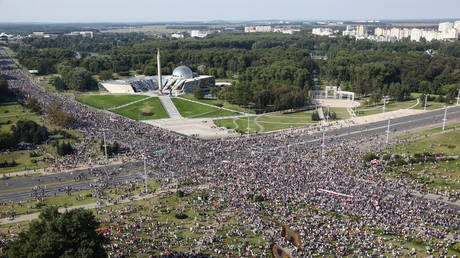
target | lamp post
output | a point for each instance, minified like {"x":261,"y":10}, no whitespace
{"x":388,"y":131}
{"x":445,"y":118}
{"x":424,"y":104}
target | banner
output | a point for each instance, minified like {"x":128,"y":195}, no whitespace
{"x":291,"y":235}
{"x":278,"y":252}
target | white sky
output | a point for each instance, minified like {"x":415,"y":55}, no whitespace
{"x":230,"y":10}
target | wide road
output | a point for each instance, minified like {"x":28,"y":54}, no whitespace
{"x":55,"y":183}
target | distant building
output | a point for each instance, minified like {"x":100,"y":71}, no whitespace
{"x":265,"y":28}
{"x":198,"y":34}
{"x":322,"y":31}
{"x":84,"y":34}
{"x":444,"y":27}
{"x":183,"y":80}
{"x":177,"y":35}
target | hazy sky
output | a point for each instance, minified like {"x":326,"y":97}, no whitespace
{"x":207,"y":10}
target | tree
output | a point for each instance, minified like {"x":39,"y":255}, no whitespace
{"x":29,"y":131}
{"x":53,"y":234}
{"x":59,"y":84}
{"x":58,"y":116}
{"x":105,"y":75}
{"x":315,"y":116}
{"x":64,"y":149}
{"x":5,"y":92}
{"x":149,"y":70}
{"x":7,"y":140}
{"x":199,"y":93}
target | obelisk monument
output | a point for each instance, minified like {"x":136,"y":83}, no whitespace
{"x":159,"y":71}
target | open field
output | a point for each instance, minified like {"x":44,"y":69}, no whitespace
{"x":392,"y":106}
{"x":273,"y":121}
{"x":447,"y":143}
{"x":144,"y":110}
{"x":435,"y":176}
{"x":108,"y":101}
{"x":11,"y":112}
{"x":194,"y":110}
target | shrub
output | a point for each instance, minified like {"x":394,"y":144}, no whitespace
{"x":180,"y":193}
{"x":181,"y":216}
{"x":369,"y":156}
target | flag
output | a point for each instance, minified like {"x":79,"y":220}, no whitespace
{"x":278,"y":252}
{"x":291,"y":235}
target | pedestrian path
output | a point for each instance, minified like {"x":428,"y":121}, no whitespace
{"x":209,"y":105}
{"x":170,"y":107}
{"x":130,"y":103}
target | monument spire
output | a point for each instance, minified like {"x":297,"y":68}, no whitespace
{"x":159,"y":71}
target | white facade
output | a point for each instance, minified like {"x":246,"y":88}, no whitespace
{"x":445,"y":26}
{"x":198,"y":34}
{"x":322,"y":31}
{"x":118,"y":87}
{"x":265,"y":28}
{"x":177,"y":36}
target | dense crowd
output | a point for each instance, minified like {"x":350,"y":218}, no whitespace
{"x":288,"y":179}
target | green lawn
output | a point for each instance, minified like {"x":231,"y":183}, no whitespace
{"x":195,"y":110}
{"x":11,"y":112}
{"x":270,"y":122}
{"x":377,"y":109}
{"x":24,"y":161}
{"x":144,"y":110}
{"x":447,"y":143}
{"x":109,"y":100}
{"x":209,"y":101}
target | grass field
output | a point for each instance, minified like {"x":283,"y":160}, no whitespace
{"x":377,"y":109}
{"x":271,"y":122}
{"x":195,"y":110}
{"x":144,"y":110}
{"x":108,"y":101}
{"x":447,"y":143}
{"x":434,"y":176}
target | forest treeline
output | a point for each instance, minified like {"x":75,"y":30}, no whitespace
{"x":271,"y":71}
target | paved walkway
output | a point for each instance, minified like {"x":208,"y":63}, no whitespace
{"x":170,"y":107}
{"x":209,"y":105}
{"x":130,"y":103}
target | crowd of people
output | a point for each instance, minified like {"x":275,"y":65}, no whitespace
{"x":288,"y":179}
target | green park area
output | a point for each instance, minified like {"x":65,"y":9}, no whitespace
{"x":431,"y":160}
{"x":275,"y":121}
{"x":109,"y":100}
{"x":148,"y":109}
{"x":365,"y":110}
{"x":195,"y":110}
{"x":216,"y":102}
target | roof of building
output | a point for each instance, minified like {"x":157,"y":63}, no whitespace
{"x":183,"y":72}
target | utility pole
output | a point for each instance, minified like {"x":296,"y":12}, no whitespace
{"x":105,"y":145}
{"x":445,"y":118}
{"x":322,"y":144}
{"x":458,"y":96}
{"x":384,"y":104}
{"x":145,"y":174}
{"x":388,"y":131}
{"x":424,"y":105}
{"x":249,"y":128}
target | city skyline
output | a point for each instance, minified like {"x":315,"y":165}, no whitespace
{"x":138,"y":11}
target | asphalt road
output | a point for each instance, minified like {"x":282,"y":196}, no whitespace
{"x":62,"y":180}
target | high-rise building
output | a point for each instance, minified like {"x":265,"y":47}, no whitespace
{"x":445,"y":26}
{"x":361,"y":30}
